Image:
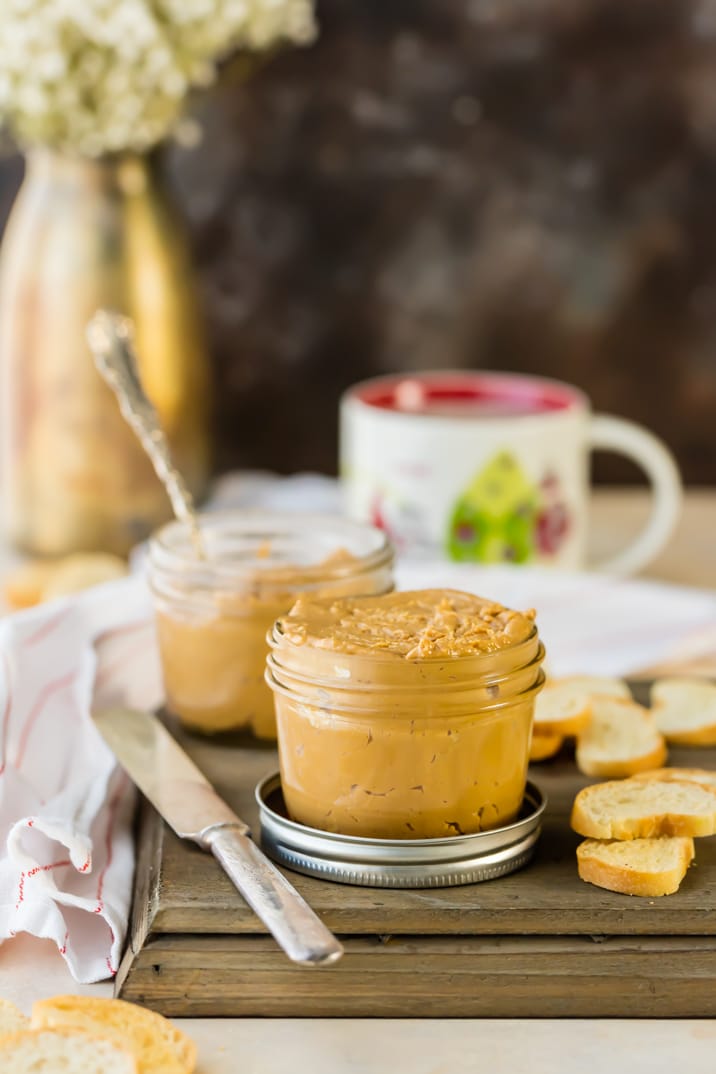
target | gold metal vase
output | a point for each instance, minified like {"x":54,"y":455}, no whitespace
{"x":85,"y":234}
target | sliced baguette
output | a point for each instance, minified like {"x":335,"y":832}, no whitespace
{"x":23,"y":586}
{"x":159,"y":1047}
{"x":63,"y":1049}
{"x":543,"y":746}
{"x":11,"y":1018}
{"x":561,"y":710}
{"x":704,"y":776}
{"x":81,"y":571}
{"x":620,"y":740}
{"x":40,"y":580}
{"x":595,"y":685}
{"x":685,"y":710}
{"x":648,"y":867}
{"x":564,"y":706}
{"x":636,"y":809}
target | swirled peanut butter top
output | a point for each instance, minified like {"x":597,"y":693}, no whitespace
{"x":339,"y":557}
{"x":416,"y":625}
{"x":266,"y":580}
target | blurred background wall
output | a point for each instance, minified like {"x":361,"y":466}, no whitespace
{"x":506,"y":184}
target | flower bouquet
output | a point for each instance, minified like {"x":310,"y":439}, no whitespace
{"x":88,"y":88}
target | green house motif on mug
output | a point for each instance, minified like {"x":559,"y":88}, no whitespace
{"x":494,"y":519}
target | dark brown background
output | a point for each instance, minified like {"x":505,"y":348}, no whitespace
{"x":512,"y":184}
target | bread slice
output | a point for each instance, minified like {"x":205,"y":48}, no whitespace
{"x":642,"y":808}
{"x":56,"y":1050}
{"x":82,"y":571}
{"x":159,"y":1047}
{"x":24,"y":585}
{"x":561,"y":710}
{"x":543,"y":746}
{"x":11,"y":1018}
{"x":704,"y":776}
{"x":564,"y":706}
{"x":685,"y":710}
{"x":595,"y":685}
{"x":621,"y":739}
{"x":39,"y":580}
{"x":649,"y":867}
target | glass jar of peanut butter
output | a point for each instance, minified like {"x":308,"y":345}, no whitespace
{"x":407,"y":715}
{"x":213,"y":614}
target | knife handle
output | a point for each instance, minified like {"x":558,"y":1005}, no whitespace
{"x":287,"y":916}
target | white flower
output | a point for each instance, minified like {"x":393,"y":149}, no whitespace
{"x":98,"y":76}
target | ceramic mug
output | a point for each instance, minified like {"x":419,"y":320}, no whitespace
{"x":492,"y":467}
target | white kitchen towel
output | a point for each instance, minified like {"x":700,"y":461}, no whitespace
{"x":66,"y":853}
{"x":592,"y":624}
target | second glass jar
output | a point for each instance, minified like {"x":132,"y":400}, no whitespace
{"x":213,"y":614}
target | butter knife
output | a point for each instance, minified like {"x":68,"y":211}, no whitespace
{"x":190,"y":805}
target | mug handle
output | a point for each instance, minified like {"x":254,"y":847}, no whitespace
{"x":651,"y":454}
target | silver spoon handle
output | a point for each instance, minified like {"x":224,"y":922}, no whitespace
{"x":110,"y":339}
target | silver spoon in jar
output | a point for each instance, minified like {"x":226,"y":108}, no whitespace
{"x":144,"y":747}
{"x":110,"y":338}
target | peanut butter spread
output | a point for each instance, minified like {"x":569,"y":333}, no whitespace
{"x":213,"y":651}
{"x":406,"y":715}
{"x":421,"y":625}
{"x":280,"y":583}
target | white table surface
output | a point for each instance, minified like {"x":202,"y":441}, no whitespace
{"x":31,"y":969}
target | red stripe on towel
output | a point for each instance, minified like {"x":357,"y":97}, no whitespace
{"x":113,"y":810}
{"x":45,"y":629}
{"x":46,"y":868}
{"x":45,"y":695}
{"x":112,"y":817}
{"x":110,"y":967}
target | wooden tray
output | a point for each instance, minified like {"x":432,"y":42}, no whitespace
{"x":538,"y":943}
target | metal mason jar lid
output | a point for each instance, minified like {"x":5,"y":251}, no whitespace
{"x":397,"y":863}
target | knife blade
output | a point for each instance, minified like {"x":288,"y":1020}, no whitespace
{"x":183,"y":796}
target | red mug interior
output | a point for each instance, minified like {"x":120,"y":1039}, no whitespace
{"x":469,"y":395}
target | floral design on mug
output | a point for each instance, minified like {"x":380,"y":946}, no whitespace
{"x":401,"y":521}
{"x":553,"y":521}
{"x":504,"y":517}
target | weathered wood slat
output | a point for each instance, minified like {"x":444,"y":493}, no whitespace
{"x":427,"y":976}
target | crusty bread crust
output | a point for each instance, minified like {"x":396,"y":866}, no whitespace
{"x":595,"y":685}
{"x":81,"y":571}
{"x":685,"y":710}
{"x":703,"y":736}
{"x":160,"y":1048}
{"x":543,"y":746}
{"x":40,"y":580}
{"x":597,"y":864}
{"x":12,"y":1020}
{"x":703,"y":776}
{"x":561,"y":711}
{"x":621,"y":769}
{"x":620,"y":809}
{"x":23,"y":586}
